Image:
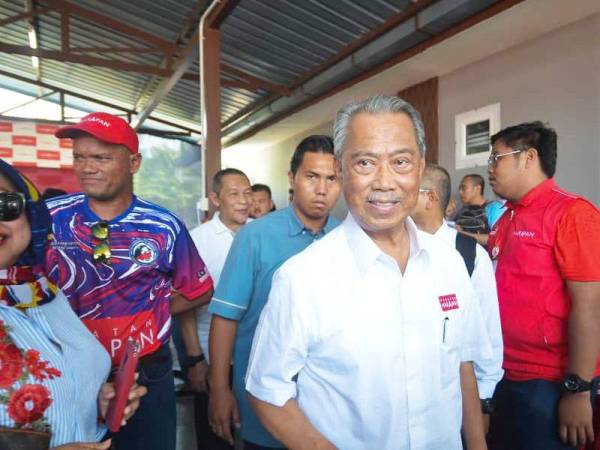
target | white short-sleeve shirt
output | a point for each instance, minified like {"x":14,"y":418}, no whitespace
{"x":371,"y":355}
{"x":488,"y":371}
{"x":213,"y":241}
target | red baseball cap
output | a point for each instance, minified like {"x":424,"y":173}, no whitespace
{"x":105,"y":127}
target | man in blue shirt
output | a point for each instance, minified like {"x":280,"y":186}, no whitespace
{"x":258,"y":250}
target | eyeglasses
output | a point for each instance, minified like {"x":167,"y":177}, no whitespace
{"x":101,"y":252}
{"x":12,"y":205}
{"x":493,"y":159}
{"x":424,"y":191}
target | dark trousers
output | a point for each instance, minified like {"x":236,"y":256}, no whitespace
{"x":153,"y":426}
{"x":526,"y":416}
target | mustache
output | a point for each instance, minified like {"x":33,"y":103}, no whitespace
{"x":384,"y":197}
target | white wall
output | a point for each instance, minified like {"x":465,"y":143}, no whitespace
{"x":554,"y":78}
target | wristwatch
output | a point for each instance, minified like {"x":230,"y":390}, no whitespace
{"x":574,"y":383}
{"x":191,"y":361}
{"x":487,"y":405}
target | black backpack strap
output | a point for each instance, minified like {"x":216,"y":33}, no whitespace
{"x":467,"y":247}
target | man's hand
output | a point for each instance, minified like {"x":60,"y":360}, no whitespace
{"x":575,"y":419}
{"x":223,"y":412}
{"x":84,"y":446}
{"x":107,"y":392}
{"x":197,"y":376}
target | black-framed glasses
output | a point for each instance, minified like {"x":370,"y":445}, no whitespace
{"x":101,"y":252}
{"x":493,"y":159}
{"x":12,"y":205}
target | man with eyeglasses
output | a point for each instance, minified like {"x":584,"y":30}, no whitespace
{"x":545,"y":247}
{"x":126,"y":265}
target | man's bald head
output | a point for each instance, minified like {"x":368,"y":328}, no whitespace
{"x":437,"y":178}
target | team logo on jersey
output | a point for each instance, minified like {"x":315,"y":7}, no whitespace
{"x":143,"y":252}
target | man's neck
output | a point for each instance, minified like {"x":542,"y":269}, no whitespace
{"x":431,"y":225}
{"x":479,"y":201}
{"x":109,"y":209}
{"x":233,"y":226}
{"x":528,"y":185}
{"x":314,"y":225}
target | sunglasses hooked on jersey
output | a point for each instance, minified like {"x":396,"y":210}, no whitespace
{"x":12,"y":205}
{"x":101,"y":252}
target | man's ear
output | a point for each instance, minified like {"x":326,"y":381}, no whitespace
{"x":291,"y":179}
{"x":214,"y":199}
{"x":135,"y":161}
{"x":531,"y":155}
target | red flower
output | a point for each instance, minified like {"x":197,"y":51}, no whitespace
{"x":11,"y":365}
{"x":39,"y":369}
{"x":29,"y":403}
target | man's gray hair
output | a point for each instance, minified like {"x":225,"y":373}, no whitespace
{"x":375,"y":105}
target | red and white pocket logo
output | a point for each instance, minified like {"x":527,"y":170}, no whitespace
{"x":448,"y":302}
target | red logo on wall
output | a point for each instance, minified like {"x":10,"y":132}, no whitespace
{"x":43,"y":128}
{"x":24,"y":140}
{"x":66,"y":143}
{"x":448,"y":302}
{"x":52,"y":155}
{"x":6,"y":126}
{"x":6,"y":152}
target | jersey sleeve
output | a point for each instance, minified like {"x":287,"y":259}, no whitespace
{"x":190,"y":275}
{"x":236,"y":283}
{"x":578,"y":242}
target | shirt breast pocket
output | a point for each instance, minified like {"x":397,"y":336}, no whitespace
{"x":449,"y":326}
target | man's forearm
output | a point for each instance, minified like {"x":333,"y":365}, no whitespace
{"x":290,"y":426}
{"x":584,"y":328}
{"x":189,"y":333}
{"x":179,"y":304}
{"x":473,"y":429}
{"x":220,"y":343}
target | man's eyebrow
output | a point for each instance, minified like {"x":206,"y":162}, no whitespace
{"x":359,"y":152}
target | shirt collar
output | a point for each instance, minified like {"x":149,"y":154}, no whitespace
{"x":218,"y":225}
{"x":364,"y":249}
{"x":295,"y":225}
{"x":534,"y":194}
{"x":444,"y":232}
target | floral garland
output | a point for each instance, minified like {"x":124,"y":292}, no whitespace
{"x":25,"y":403}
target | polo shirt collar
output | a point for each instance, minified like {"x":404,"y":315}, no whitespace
{"x":296,"y":227}
{"x":543,"y":188}
{"x":218,"y":226}
{"x":444,"y":232}
{"x":364,"y":249}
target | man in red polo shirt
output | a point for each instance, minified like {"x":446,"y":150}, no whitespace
{"x":546,"y":248}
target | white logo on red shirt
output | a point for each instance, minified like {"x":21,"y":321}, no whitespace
{"x":448,"y":302}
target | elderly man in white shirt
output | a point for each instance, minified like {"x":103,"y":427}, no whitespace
{"x":232,"y":197}
{"x":428,"y":215}
{"x":368,"y":337}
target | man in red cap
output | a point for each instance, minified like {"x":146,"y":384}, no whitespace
{"x":119,"y":259}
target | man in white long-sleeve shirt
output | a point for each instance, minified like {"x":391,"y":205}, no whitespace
{"x":429,"y":217}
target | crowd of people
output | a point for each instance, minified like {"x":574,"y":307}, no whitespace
{"x":412,"y":324}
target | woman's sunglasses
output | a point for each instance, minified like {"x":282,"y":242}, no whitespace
{"x":12,"y":205}
{"x":101,"y":252}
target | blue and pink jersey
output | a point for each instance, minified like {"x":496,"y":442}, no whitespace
{"x":152,"y":254}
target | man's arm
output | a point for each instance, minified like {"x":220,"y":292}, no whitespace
{"x":179,"y":304}
{"x":289,"y":425}
{"x":481,"y":239}
{"x":197,"y":373}
{"x":222,"y":406}
{"x":575,"y":410}
{"x":472,"y":418}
